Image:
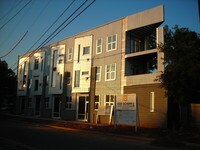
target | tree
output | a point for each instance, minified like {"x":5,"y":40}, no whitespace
{"x":181,"y":77}
{"x":7,"y":84}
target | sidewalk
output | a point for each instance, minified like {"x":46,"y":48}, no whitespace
{"x":158,"y":137}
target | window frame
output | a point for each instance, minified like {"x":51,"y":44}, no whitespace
{"x":36,"y":88}
{"x":111,"y":43}
{"x":100,"y":67}
{"x":68,"y":103}
{"x":46,"y":103}
{"x":36,"y":64}
{"x":152,"y":102}
{"x":77,"y":80}
{"x":99,"y":46}
{"x":96,"y":102}
{"x":110,"y":72}
{"x":69,"y":56}
{"x":86,"y":50}
{"x":110,"y":102}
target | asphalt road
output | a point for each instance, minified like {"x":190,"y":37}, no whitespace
{"x":20,"y":135}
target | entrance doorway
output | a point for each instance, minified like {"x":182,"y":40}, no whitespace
{"x":22,"y":105}
{"x":56,"y":107}
{"x":37,"y":106}
{"x":83,"y":105}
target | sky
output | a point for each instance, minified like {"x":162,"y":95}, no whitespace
{"x":23,"y":22}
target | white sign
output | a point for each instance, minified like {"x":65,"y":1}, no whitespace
{"x":126,"y":102}
{"x":126,"y":111}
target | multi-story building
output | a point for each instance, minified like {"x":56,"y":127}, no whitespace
{"x":69,"y":79}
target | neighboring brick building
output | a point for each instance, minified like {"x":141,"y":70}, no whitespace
{"x":70,"y":78}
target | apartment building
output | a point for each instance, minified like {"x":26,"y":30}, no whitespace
{"x":71,"y":78}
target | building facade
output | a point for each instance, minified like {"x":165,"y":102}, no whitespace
{"x":70,"y":78}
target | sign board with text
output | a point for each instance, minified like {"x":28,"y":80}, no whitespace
{"x":126,"y":110}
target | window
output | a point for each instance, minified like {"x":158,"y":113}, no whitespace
{"x":86,"y":50}
{"x":41,"y":65}
{"x":110,"y":100}
{"x":68,"y":78}
{"x":77,"y":78}
{"x":46,"y":102}
{"x":70,"y":54}
{"x":79,"y":49}
{"x":98,"y":74}
{"x":68,"y":103}
{"x":55,"y":57}
{"x":112,"y":42}
{"x":60,"y":61}
{"x":61,"y":81}
{"x":46,"y":80}
{"x":96,"y":102}
{"x":99,"y":46}
{"x":36,"y":85}
{"x":85,"y":73}
{"x":36,"y":64}
{"x":30,"y":83}
{"x":29,"y":103}
{"x":152,"y":101}
{"x":110,"y":72}
{"x":24,"y":81}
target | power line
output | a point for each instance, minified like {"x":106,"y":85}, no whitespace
{"x":10,"y":10}
{"x":15,"y":15}
{"x":14,"y":46}
{"x":47,"y":40}
{"x":45,"y":33}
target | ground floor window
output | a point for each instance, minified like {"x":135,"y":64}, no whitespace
{"x":68,"y":102}
{"x":110,"y":100}
{"x":96,"y":102}
{"x":46,"y":102}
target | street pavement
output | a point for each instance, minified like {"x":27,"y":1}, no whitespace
{"x":30,"y":133}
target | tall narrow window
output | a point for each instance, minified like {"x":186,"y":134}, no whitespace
{"x":79,"y":49}
{"x":152,"y":101}
{"x":68,"y":102}
{"x":98,"y":74}
{"x":96,"y":102}
{"x":54,"y":68}
{"x":46,"y":102}
{"x":61,"y":81}
{"x":68,"y":77}
{"x":110,"y":72}
{"x":70,"y":54}
{"x":36,"y":64}
{"x":112,"y":42}
{"x":77,"y":78}
{"x":55,"y":58}
{"x":36,"y":85}
{"x":41,"y":65}
{"x":99,"y":46}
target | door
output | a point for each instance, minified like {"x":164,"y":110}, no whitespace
{"x":22,"y":105}
{"x":83,"y":104}
{"x":37,"y":106}
{"x":56,"y":107}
